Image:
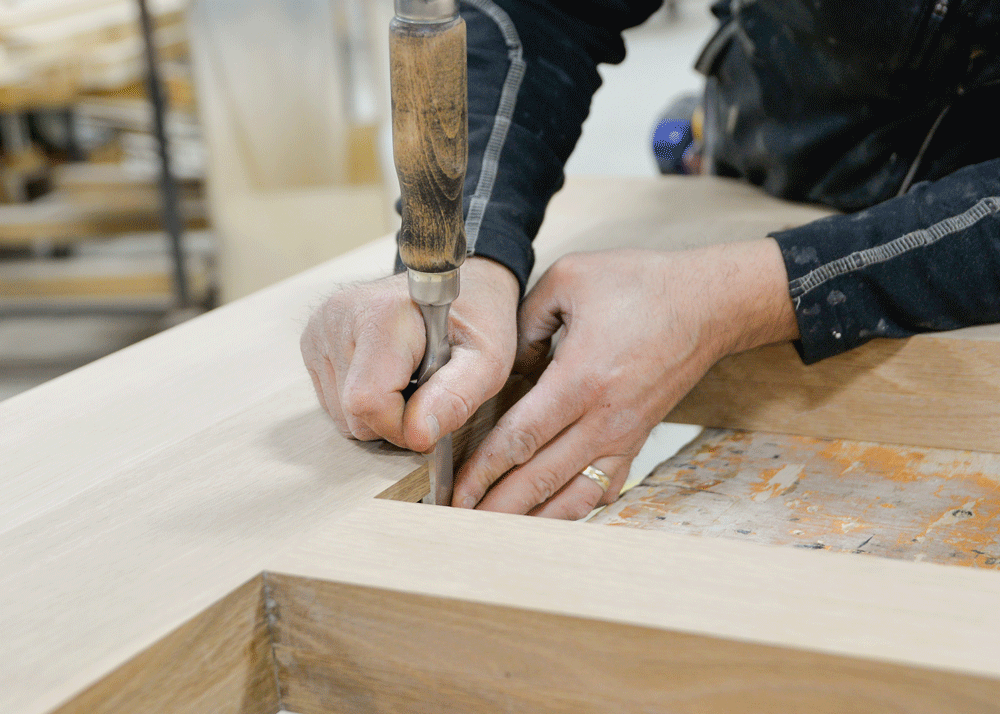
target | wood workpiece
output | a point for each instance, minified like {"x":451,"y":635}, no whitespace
{"x":183,"y":530}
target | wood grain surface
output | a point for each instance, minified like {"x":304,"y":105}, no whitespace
{"x":220,"y":661}
{"x":143,"y":488}
{"x":940,"y":390}
{"x":839,"y":604}
{"x":146,"y":486}
{"x":350,"y":649}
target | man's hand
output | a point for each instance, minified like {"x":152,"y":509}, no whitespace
{"x":641,"y":328}
{"x":363,"y":344}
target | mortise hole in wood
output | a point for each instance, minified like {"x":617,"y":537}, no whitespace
{"x":312,"y":646}
{"x":415,"y":485}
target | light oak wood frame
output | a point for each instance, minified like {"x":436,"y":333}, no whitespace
{"x":283,"y":642}
{"x":149,"y":485}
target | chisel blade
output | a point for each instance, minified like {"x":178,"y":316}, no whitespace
{"x":436,"y":354}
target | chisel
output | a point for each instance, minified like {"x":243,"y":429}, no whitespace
{"x":430,"y":138}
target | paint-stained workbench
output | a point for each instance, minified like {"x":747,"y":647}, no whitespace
{"x":911,"y":503}
{"x":183,"y":531}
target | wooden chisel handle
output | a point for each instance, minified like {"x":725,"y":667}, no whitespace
{"x":430,"y":130}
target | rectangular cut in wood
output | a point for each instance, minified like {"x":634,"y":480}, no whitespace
{"x":911,"y":503}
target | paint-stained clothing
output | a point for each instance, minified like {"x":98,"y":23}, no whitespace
{"x":842,"y":103}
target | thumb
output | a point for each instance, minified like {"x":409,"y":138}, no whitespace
{"x":451,"y":396}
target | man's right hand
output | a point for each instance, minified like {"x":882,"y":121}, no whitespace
{"x":364,"y":343}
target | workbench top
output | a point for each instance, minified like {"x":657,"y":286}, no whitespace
{"x":901,"y":502}
{"x":148,"y":485}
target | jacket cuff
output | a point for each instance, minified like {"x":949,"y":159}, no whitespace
{"x":513,"y":252}
{"x":846,"y":310}
{"x":503,"y":244}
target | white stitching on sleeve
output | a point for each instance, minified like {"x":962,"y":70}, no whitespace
{"x":895,"y":248}
{"x":501,"y":122}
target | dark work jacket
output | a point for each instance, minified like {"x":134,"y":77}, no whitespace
{"x":887,"y":110}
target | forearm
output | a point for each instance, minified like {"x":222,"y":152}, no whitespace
{"x":532,"y":73}
{"x":926,"y":261}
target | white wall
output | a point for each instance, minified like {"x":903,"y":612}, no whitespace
{"x":617,"y":137}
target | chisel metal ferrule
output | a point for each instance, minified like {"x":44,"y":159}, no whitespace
{"x":433,"y":288}
{"x":426,"y":10}
{"x":434,"y":293}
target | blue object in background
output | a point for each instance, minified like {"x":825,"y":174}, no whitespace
{"x":670,"y":140}
{"x":673,"y":134}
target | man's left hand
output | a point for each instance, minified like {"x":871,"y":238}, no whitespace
{"x":640,"y":329}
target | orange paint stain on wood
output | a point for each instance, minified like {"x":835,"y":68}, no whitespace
{"x":830,"y":494}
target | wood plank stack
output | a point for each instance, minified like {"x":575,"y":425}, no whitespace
{"x":76,"y":69}
{"x":56,"y":50}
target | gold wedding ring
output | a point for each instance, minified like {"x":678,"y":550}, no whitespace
{"x":597,"y":476}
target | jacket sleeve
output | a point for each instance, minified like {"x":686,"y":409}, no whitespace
{"x":925,"y":261}
{"x":532,"y":72}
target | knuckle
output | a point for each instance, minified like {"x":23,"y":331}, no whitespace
{"x":387,"y":298}
{"x":359,"y":400}
{"x":481,"y":483}
{"x":357,"y":428}
{"x":473,"y":484}
{"x":345,"y":425}
{"x":306,"y":345}
{"x":543,"y":485}
{"x":343,"y":429}
{"x":621,"y":427}
{"x":591,"y":387}
{"x":317,"y":385}
{"x":618,"y":373}
{"x":613,"y":428}
{"x":330,"y":314}
{"x":578,"y":510}
{"x":363,"y":433}
{"x":380,"y":302}
{"x":523,"y":445}
{"x":311,"y":340}
{"x":462,"y":407}
{"x":610,"y":496}
{"x":564,"y":268}
{"x":496,"y":364}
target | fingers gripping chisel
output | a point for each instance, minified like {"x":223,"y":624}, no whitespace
{"x":427,"y":56}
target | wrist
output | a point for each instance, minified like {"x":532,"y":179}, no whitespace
{"x":489,"y":273}
{"x":754,"y":305}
